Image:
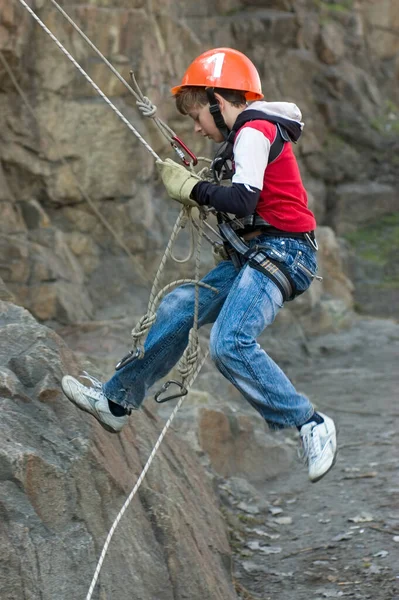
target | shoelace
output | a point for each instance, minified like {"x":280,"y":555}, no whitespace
{"x":96,"y":390}
{"x":95,"y":382}
{"x":311,"y":446}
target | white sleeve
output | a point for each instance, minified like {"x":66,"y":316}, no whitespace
{"x":251,"y":153}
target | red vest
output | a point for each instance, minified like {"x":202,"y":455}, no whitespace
{"x":283,"y":200}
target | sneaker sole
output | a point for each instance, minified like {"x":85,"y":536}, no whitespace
{"x":86,"y":410}
{"x":328,"y":470}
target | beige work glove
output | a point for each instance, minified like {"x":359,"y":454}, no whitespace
{"x":178,"y":181}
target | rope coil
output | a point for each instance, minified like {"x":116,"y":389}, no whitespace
{"x":139,"y":482}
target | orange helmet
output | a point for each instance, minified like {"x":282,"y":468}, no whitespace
{"x":223,"y":68}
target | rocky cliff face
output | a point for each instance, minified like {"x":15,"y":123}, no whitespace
{"x":337,"y":60}
{"x":63,"y":480}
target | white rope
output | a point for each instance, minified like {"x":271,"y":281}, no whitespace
{"x":139,"y":269}
{"x":190,"y":366}
{"x":90,"y":80}
{"x":144,"y":104}
{"x":138,"y":483}
{"x":94,"y":47}
{"x":195,"y":362}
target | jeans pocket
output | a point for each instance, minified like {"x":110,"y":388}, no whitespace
{"x":274,"y":249}
{"x":304,"y":270}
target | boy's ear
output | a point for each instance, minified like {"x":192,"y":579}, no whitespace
{"x":221,"y":100}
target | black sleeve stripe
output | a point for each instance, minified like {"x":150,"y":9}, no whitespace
{"x":239,"y":199}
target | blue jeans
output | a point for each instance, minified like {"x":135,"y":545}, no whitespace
{"x":246,"y":303}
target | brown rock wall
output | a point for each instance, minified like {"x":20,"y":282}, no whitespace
{"x":382,"y":23}
{"x":338,"y":61}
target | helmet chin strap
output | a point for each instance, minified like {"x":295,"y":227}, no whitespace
{"x":214,"y":109}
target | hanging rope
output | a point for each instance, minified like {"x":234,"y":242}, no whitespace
{"x":188,"y":362}
{"x":146,"y":107}
{"x":145,"y":323}
{"x":90,"y":80}
{"x":189,"y":366}
{"x":192,"y":361}
{"x":139,"y":481}
{"x":138,"y":267}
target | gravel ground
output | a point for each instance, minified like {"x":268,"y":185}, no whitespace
{"x":293,"y":540}
{"x":339,"y":537}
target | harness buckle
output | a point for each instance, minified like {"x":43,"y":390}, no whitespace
{"x":183,"y":391}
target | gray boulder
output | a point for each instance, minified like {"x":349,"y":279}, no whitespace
{"x":63,"y":480}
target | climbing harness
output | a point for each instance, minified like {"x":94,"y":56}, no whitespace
{"x":259,"y":260}
{"x":268,"y":261}
{"x":236,"y":248}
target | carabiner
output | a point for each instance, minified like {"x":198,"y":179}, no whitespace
{"x":183,"y":391}
{"x":177,"y":145}
{"x":312,"y":241}
{"x":130,"y":357}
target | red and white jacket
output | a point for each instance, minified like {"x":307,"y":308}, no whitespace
{"x":274,"y":191}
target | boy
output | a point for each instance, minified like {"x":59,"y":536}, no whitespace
{"x":272,"y":257}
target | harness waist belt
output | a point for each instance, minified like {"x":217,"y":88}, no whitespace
{"x":308,"y":236}
{"x":272,"y":231}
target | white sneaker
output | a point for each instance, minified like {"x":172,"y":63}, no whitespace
{"x":319,"y":447}
{"x":93,"y":401}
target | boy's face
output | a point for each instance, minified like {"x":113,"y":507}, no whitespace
{"x":204,"y":123}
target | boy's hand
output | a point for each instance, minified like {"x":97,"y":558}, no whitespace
{"x":178,"y":181}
